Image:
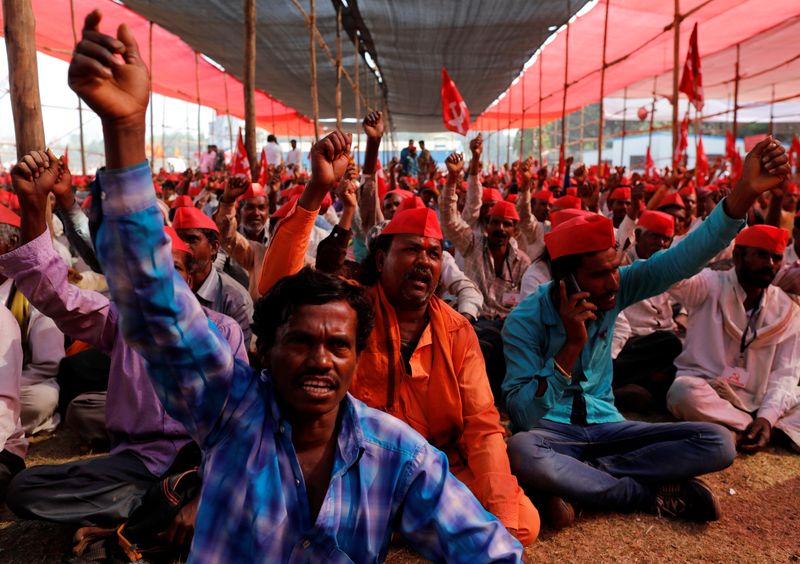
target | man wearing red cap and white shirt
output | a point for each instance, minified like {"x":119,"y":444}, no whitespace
{"x":421,"y":363}
{"x":643,"y":369}
{"x":245,"y":241}
{"x":42,"y":342}
{"x":619,"y":202}
{"x":493,"y":261}
{"x":558,"y":388}
{"x":740,"y":363}
{"x":214,"y":289}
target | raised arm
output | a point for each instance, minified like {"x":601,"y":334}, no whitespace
{"x":234,"y":243}
{"x":285,"y":256}
{"x":454,"y":226}
{"x":472,"y":207}
{"x":369,"y":202}
{"x":189,"y":362}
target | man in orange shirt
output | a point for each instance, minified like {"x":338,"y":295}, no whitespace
{"x":422,"y":362}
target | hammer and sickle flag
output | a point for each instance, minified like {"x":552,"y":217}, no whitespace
{"x":454,"y":111}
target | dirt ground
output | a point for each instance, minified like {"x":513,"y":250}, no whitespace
{"x":760,"y":498}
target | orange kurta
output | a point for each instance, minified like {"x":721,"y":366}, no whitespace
{"x":446,"y":397}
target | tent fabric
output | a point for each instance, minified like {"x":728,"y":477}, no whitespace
{"x":640,"y":47}
{"x":173,"y":69}
{"x":714,"y":111}
{"x":482,"y":47}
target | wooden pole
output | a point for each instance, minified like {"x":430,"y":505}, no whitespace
{"x":23,"y":75}
{"x":522,"y":126}
{"x":676,"y":44}
{"x":602,"y":95}
{"x":150,"y":85}
{"x":772,"y":110}
{"x":197,"y":93}
{"x":652,"y":113}
{"x":736,"y":96}
{"x":541,"y":64}
{"x":624,"y":123}
{"x":250,"y":85}
{"x":312,"y":25}
{"x":508,"y":130}
{"x":339,"y":67}
{"x":163,"y":133}
{"x":80,"y":102}
{"x":358,"y":99}
{"x":563,"y":150}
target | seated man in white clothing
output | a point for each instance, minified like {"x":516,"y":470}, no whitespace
{"x":42,"y":343}
{"x":740,"y":363}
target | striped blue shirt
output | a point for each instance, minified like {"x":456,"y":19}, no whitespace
{"x":254,"y":506}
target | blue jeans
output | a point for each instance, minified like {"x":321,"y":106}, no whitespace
{"x":616,"y":466}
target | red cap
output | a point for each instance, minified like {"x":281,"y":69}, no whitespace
{"x":673,"y":199}
{"x":504,"y":210}
{"x":579,"y":235}
{"x":767,"y":237}
{"x":650,"y":188}
{"x":561,"y":216}
{"x":657,"y":222}
{"x":412,"y":203}
{"x":254,"y":191}
{"x":195,"y":190}
{"x":402,"y":194}
{"x":544,"y":195}
{"x":182,"y":202}
{"x":572,"y":191}
{"x":283,"y":211}
{"x":192,"y":218}
{"x":623,"y":194}
{"x":791,"y":188}
{"x":177,"y":242}
{"x":512,"y":198}
{"x":5,"y":197}
{"x":295,"y":190}
{"x":491,"y":195}
{"x":7,"y":217}
{"x":419,"y":221}
{"x":567,"y":202}
{"x":688,"y":190}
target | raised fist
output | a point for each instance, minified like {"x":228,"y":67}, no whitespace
{"x":455,"y":165}
{"x":373,"y":125}
{"x":34,"y":176}
{"x":330,"y":157}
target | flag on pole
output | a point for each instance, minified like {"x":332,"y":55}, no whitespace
{"x":454,"y":110}
{"x":263,"y":169}
{"x":66,"y":156}
{"x":683,"y":142}
{"x":732,"y":155}
{"x":701,"y":166}
{"x":794,"y":152}
{"x":239,"y":162}
{"x":649,"y":165}
{"x":692,"y":78}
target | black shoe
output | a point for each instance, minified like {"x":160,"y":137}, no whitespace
{"x":692,"y":500}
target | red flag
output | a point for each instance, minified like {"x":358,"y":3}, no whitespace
{"x":649,"y":165}
{"x":262,"y":173}
{"x":733,"y":156}
{"x":454,"y":111}
{"x":701,"y":166}
{"x":794,"y":152}
{"x":692,"y":79}
{"x":239,"y":162}
{"x":683,"y":142}
{"x":562,"y":163}
{"x":66,"y":156}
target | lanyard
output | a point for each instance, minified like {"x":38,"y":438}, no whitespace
{"x":751,"y":326}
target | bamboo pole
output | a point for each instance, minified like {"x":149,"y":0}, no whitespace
{"x":522,"y":126}
{"x":566,"y":89}
{"x":150,"y":107}
{"x":541,"y":64}
{"x":80,"y":102}
{"x":508,"y":129}
{"x":339,"y":67}
{"x":602,"y":94}
{"x":358,"y":98}
{"x":228,"y":111}
{"x":676,"y":44}
{"x":624,"y":123}
{"x":312,"y":26}
{"x":772,"y":110}
{"x":736,"y":96}
{"x":163,"y":133}
{"x":197,"y":92}
{"x":250,"y":85}
{"x":652,"y":113}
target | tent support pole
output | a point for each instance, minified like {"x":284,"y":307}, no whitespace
{"x":358,"y":99}
{"x":338,"y":67}
{"x":150,"y":107}
{"x":228,"y":111}
{"x":563,"y":150}
{"x":508,"y":130}
{"x":522,"y":126}
{"x":197,"y":92}
{"x":249,"y":76}
{"x":312,"y":24}
{"x":772,"y":110}
{"x":652,"y":114}
{"x":602,"y":94}
{"x":163,"y":134}
{"x":676,"y":44}
{"x":624,"y":122}
{"x":736,"y":96}
{"x":541,"y":63}
{"x":80,"y":102}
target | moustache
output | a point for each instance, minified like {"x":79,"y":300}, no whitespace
{"x":419,"y":273}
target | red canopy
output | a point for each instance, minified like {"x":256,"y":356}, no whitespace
{"x":173,"y":68}
{"x":640,"y":47}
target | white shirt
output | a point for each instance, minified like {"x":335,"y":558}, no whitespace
{"x":455,"y":282}
{"x":207,"y":161}
{"x":293,"y":157}
{"x":649,"y":315}
{"x":538,"y":273}
{"x":274,"y":154}
{"x":715,"y":302}
{"x":12,"y":437}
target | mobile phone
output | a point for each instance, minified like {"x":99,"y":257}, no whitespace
{"x":571,"y":284}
